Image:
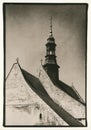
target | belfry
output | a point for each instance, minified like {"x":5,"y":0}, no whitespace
{"x":50,"y":64}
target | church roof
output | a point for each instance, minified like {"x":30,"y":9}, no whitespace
{"x":38,"y":88}
{"x":70,"y":91}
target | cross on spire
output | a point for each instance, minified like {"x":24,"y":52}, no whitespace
{"x":51,"y":26}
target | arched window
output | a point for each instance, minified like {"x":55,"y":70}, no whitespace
{"x":40,"y":116}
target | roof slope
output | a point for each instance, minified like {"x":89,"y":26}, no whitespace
{"x":70,"y":91}
{"x":61,"y":97}
{"x":38,"y":88}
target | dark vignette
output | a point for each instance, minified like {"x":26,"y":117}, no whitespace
{"x":4,"y":61}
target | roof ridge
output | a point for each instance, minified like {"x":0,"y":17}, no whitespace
{"x":10,"y":70}
{"x":76,"y":96}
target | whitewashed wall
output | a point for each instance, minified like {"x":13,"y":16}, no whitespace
{"x":23,"y":106}
{"x":75,"y":108}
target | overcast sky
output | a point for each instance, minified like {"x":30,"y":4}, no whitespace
{"x":27,"y":30}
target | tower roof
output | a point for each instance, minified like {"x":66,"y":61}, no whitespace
{"x":51,"y":39}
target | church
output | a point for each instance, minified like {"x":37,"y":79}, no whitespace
{"x":44,"y":100}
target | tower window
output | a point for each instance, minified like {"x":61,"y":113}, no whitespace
{"x":47,"y":52}
{"x":53,"y":52}
{"x":50,"y":52}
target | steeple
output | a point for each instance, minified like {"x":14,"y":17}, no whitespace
{"x":51,"y":26}
{"x":50,"y":64}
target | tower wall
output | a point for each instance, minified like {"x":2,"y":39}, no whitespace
{"x":53,"y":72}
{"x":50,"y":64}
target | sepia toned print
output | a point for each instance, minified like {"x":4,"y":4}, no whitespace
{"x":45,"y":81}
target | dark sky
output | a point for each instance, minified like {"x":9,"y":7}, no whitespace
{"x":27,"y":30}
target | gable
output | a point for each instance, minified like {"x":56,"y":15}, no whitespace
{"x":23,"y":106}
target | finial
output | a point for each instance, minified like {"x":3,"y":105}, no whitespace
{"x":17,"y":59}
{"x":51,"y":25}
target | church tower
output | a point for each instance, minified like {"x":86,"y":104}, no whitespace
{"x":50,"y":64}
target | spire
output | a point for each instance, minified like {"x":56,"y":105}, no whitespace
{"x":51,"y":26}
